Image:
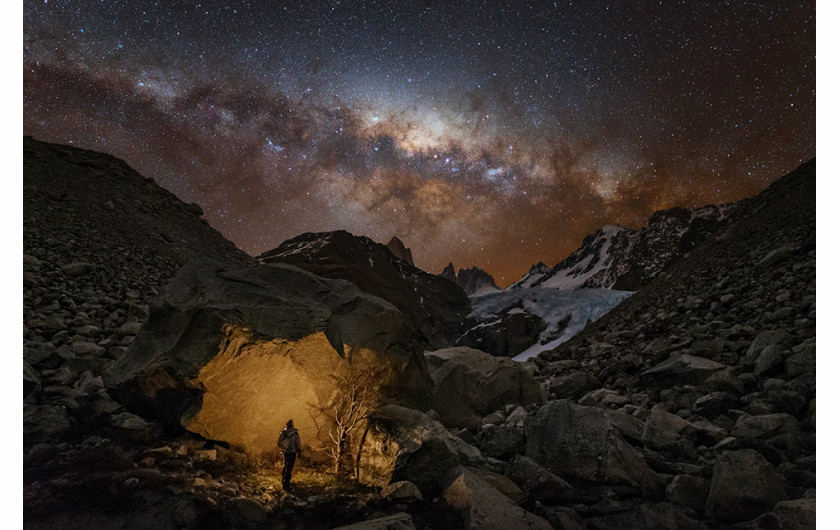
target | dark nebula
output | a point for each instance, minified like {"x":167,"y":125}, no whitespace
{"x":494,"y":134}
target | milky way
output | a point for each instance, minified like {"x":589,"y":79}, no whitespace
{"x":495,"y":134}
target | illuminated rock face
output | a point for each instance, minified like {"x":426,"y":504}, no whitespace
{"x":251,"y":388}
{"x":233,"y":354}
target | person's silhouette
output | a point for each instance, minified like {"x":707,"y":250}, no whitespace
{"x":289,"y":442}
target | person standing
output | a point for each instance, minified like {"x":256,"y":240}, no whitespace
{"x":289,"y":442}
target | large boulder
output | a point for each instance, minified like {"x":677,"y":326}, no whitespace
{"x":573,"y":385}
{"x":579,"y":443}
{"x":500,"y":442}
{"x":482,"y":506}
{"x":504,"y":484}
{"x":680,"y":369}
{"x":508,"y":335}
{"x":648,"y":515}
{"x":688,"y":490}
{"x":402,"y":491}
{"x":803,"y":361}
{"x":470,"y":384}
{"x":631,"y":427}
{"x":232,"y":354}
{"x":766,"y":339}
{"x":744,"y":485}
{"x":713,"y":405}
{"x":44,"y":423}
{"x":764,"y":426}
{"x":540,"y":484}
{"x":666,"y":431}
{"x":798,"y":514}
{"x":31,"y":379}
{"x":406,"y":444}
{"x":433,"y":306}
{"x":397,"y":521}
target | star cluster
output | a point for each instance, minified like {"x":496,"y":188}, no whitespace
{"x":495,"y":134}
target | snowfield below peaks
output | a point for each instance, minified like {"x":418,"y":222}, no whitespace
{"x":565,"y":312}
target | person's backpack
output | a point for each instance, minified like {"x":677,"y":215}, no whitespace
{"x":289,"y":441}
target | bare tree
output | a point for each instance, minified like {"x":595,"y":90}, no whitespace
{"x":356,"y":395}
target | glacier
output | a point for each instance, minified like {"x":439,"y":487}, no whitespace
{"x":581,"y":306}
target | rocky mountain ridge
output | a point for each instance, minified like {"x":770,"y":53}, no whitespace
{"x":95,"y":199}
{"x":473,"y":280}
{"x":624,"y":259}
{"x":434,"y":308}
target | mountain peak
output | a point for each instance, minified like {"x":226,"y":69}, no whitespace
{"x":399,"y":250}
{"x":473,"y":280}
{"x":449,"y":273}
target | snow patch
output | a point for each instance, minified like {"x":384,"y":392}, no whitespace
{"x":578,"y":275}
{"x":485,"y":289}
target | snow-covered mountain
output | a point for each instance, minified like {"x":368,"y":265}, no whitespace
{"x":533,"y":276}
{"x":624,"y":259}
{"x":523,"y":322}
{"x":549,"y":305}
{"x":474,"y":281}
{"x":587,"y":267}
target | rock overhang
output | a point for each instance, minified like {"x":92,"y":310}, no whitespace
{"x":232,"y":354}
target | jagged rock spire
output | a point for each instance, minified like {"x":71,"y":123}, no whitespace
{"x":399,"y":250}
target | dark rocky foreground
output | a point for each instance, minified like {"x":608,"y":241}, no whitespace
{"x":691,"y":405}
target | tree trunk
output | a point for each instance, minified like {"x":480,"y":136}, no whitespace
{"x":340,"y":454}
{"x":356,"y":472}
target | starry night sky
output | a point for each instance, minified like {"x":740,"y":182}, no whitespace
{"x":494,"y":134}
